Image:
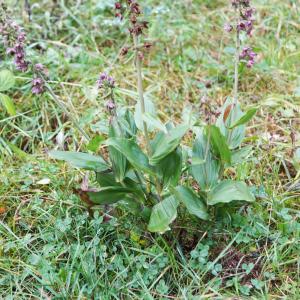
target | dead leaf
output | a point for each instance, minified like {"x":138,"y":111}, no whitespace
{"x":44,"y":181}
{"x":83,"y":194}
{"x":227,"y":112}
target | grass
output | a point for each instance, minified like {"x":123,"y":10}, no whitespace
{"x":51,"y":248}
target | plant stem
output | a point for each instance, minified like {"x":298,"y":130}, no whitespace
{"x":114,"y":116}
{"x":138,"y":65}
{"x":237,"y":60}
{"x":236,"y":73}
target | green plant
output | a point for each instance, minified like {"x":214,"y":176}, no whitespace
{"x":7,"y":81}
{"x":51,"y":247}
{"x":153,"y":183}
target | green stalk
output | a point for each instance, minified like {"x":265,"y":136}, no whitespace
{"x":237,"y":60}
{"x":236,"y":73}
{"x":138,"y":65}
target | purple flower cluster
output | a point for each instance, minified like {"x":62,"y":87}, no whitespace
{"x":245,"y":24}
{"x":248,"y":54}
{"x":228,"y":27}
{"x":40,"y":68}
{"x":246,"y":14}
{"x":110,"y":105}
{"x":134,"y":12}
{"x":132,"y":9}
{"x":105,"y":81}
{"x":38,"y":86}
{"x":14,"y":39}
{"x":38,"y":83}
{"x":247,"y":21}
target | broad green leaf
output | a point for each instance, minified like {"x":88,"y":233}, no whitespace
{"x":168,"y":143}
{"x":7,"y":80}
{"x":132,"y":206}
{"x":205,"y":168}
{"x":228,"y":117}
{"x":100,"y":127}
{"x":137,"y":209}
{"x":170,"y":125}
{"x":297,"y":91}
{"x":219,"y":143}
{"x":163,"y":214}
{"x":169,"y":168}
{"x":296,"y":159}
{"x":108,"y":179}
{"x":8,"y":104}
{"x":118,"y":160}
{"x":81,"y":160}
{"x":188,"y":115}
{"x":146,"y":213}
{"x":153,"y":122}
{"x":138,"y":116}
{"x":157,"y":140}
{"x":95,"y":143}
{"x":109,"y":195}
{"x":245,"y":118}
{"x":228,"y":191}
{"x":132,"y":152}
{"x":240,"y":155}
{"x":17,"y":151}
{"x":193,"y":202}
{"x":129,"y":117}
{"x":126,"y":122}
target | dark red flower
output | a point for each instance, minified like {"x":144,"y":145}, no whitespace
{"x":118,"y":5}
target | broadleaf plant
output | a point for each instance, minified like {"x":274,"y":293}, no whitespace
{"x":144,"y":170}
{"x":7,"y":81}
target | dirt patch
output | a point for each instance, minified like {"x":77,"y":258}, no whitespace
{"x":187,"y":240}
{"x":233,"y":264}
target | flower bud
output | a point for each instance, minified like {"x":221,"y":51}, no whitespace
{"x":147,"y":45}
{"x":124,"y":51}
{"x":105,"y":81}
{"x":37,"y":86}
{"x":228,"y":27}
{"x":141,"y":55}
{"x":133,"y":19}
{"x":118,"y":5}
{"x":110,"y":105}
